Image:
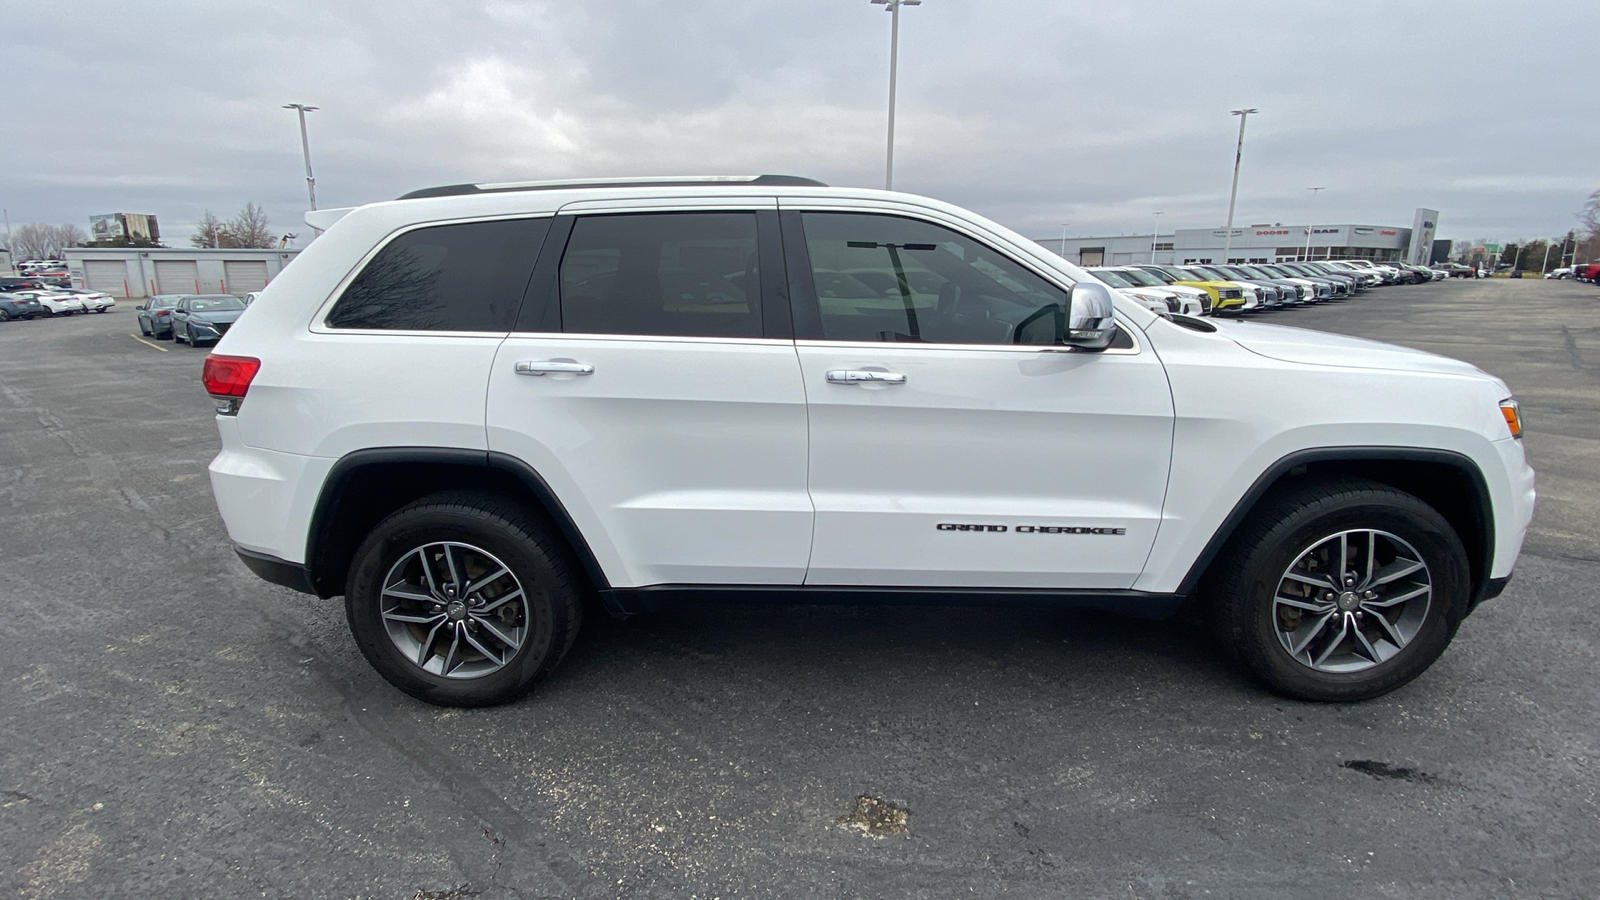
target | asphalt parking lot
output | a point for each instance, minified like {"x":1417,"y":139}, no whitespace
{"x":171,"y":726}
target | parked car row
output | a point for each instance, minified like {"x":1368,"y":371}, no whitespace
{"x":192,"y":319}
{"x":18,"y":302}
{"x":1211,"y":289}
{"x":52,"y":272}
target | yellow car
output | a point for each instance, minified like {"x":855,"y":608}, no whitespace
{"x":1225,"y":295}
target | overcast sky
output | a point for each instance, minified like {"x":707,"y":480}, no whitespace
{"x":1032,"y":112}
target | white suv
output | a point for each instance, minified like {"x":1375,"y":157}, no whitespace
{"x":469,"y":409}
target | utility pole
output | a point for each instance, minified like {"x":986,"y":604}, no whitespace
{"x":1313,"y":191}
{"x":305,"y":147}
{"x":1238,"y":154}
{"x":1548,"y":246}
{"x":893,"y":8}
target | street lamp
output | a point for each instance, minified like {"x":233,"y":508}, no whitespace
{"x":1313,"y":191}
{"x":1238,"y":153}
{"x":305,"y":146}
{"x":1154,"y":235}
{"x":1064,"y":240}
{"x":893,"y":7}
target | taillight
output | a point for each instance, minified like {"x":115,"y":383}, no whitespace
{"x":227,"y":379}
{"x":162,"y":313}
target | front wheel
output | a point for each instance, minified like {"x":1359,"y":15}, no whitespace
{"x":1341,"y":590}
{"x":463,"y":599}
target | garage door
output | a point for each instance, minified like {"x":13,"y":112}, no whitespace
{"x":175,"y":276}
{"x":109,"y":275}
{"x":245,"y":275}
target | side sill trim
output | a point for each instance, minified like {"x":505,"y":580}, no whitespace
{"x":1140,"y":604}
{"x":277,"y":571}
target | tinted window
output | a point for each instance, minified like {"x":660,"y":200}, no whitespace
{"x":885,"y":278}
{"x":681,"y":274}
{"x":467,"y":277}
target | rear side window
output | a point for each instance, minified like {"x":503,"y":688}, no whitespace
{"x":672,"y":274}
{"x":467,"y":277}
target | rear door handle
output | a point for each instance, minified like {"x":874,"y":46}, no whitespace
{"x":549,"y":366}
{"x":864,"y":376}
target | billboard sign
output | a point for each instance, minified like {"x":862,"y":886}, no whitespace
{"x":106,"y":228}
{"x":1423,"y":227}
{"x":135,"y":228}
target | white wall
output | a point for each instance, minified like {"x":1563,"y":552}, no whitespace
{"x":142,"y":272}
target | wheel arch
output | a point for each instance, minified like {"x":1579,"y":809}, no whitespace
{"x":366,"y":485}
{"x":1449,"y":482}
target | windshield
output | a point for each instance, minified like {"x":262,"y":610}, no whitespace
{"x":215,"y":304}
{"x":1141,"y":277}
{"x":1115,"y":279}
{"x":1196,"y":275}
{"x":1209,"y":274}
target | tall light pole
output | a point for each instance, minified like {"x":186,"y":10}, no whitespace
{"x":1545,"y":268}
{"x":893,"y":7}
{"x":1313,"y":191}
{"x":1063,"y":240}
{"x":1238,"y":154}
{"x":305,"y":147}
{"x":1154,"y":235}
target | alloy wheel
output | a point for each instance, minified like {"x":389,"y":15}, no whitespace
{"x":1351,"y":601}
{"x":454,"y":610}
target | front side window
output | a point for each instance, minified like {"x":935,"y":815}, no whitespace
{"x":465,"y":277}
{"x":684,"y":274}
{"x":887,"y":278}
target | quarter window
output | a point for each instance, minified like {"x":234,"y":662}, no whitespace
{"x":466,"y":277}
{"x":673,"y":274}
{"x":886,"y":278}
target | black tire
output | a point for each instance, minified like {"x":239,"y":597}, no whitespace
{"x":5,"y":316}
{"x":1246,"y":580}
{"x":549,"y":578}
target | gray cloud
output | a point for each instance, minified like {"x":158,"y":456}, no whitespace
{"x":1032,"y":112}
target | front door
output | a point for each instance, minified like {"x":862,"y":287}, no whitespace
{"x":942,"y":452}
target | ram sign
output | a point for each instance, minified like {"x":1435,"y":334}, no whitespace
{"x":1420,"y":252}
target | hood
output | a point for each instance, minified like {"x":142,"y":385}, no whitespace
{"x":217,"y":316}
{"x":1319,"y":348}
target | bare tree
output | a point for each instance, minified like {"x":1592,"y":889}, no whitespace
{"x":211,"y":232}
{"x":36,"y":240}
{"x":250,"y":228}
{"x":31,"y":241}
{"x":72,"y":236}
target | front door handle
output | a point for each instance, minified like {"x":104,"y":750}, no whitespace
{"x":864,"y":376}
{"x":549,"y":366}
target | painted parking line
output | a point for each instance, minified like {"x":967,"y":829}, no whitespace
{"x":147,"y":343}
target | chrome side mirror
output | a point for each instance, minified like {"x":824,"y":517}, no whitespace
{"x":1090,"y":321}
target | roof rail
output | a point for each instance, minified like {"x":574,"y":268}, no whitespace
{"x":456,"y":190}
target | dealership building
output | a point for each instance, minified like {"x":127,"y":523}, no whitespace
{"x":138,"y":272}
{"x":1261,"y":244}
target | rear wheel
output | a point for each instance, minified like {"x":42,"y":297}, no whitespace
{"x":463,"y":599}
{"x":5,"y":316}
{"x":1341,"y":590}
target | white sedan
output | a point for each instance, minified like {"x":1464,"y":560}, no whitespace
{"x":56,"y":303}
{"x":93,"y":301}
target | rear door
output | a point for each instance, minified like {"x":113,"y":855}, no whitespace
{"x":652,"y":382}
{"x":943,"y":452}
